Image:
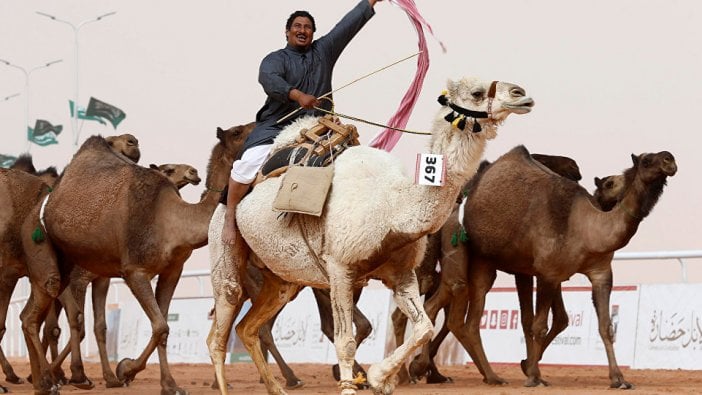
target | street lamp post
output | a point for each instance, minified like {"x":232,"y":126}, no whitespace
{"x":27,"y":73}
{"x":76,"y":30}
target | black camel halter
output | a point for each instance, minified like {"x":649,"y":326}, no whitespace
{"x":458,"y":116}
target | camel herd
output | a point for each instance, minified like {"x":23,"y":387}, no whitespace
{"x":526,"y":214}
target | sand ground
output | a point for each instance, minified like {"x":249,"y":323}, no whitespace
{"x":243,"y":377}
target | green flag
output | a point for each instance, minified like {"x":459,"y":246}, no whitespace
{"x":81,"y":114}
{"x":44,"y":133}
{"x":6,"y":161}
{"x":97,"y":108}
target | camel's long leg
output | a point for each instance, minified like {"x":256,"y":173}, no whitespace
{"x":46,"y":285}
{"x":525,"y":293}
{"x":165,"y":287}
{"x":73,"y":300}
{"x":275,"y":293}
{"x":268,"y":345}
{"x":601,"y":291}
{"x":441,"y":298}
{"x":480,"y":280}
{"x":32,"y":315}
{"x":545,"y":292}
{"x":228,"y":272}
{"x":326,"y":319}
{"x":8,"y":281}
{"x":560,"y":319}
{"x":224,"y":316}
{"x":433,"y":374}
{"x":406,"y":295}
{"x":139,"y":284}
{"x":101,"y":286}
{"x":341,"y":296}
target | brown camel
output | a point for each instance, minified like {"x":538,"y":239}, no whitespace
{"x":20,"y":192}
{"x":152,"y":231}
{"x":180,"y":174}
{"x":26,"y":164}
{"x":126,"y":144}
{"x":567,"y":235}
{"x":446,"y":248}
{"x":74,"y":299}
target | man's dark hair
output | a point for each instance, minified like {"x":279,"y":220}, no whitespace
{"x":295,"y":14}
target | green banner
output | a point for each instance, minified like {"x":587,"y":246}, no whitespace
{"x":44,"y":133}
{"x":7,"y":160}
{"x":97,"y":108}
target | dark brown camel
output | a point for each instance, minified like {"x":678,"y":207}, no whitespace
{"x":117,"y":219}
{"x":446,"y":248}
{"x":513,"y":191}
{"x":20,"y":192}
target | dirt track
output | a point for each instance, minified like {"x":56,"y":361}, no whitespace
{"x":244,"y":380}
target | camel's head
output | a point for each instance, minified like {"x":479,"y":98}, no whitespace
{"x":651,"y":167}
{"x":233,"y":139}
{"x":179,"y":174}
{"x":609,"y":191}
{"x":24,"y":163}
{"x":48,"y":175}
{"x":480,"y":106}
{"x":125,"y":144}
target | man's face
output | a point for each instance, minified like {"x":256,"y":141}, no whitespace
{"x":300,"y":34}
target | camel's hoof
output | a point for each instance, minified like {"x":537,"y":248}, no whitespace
{"x":86,"y":384}
{"x":29,"y":379}
{"x":215,"y":386}
{"x":14,"y":379}
{"x":378,"y":384}
{"x":297,"y":383}
{"x":495,"y":380}
{"x":535,"y":382}
{"x":622,"y":385}
{"x":125,"y":372}
{"x":173,"y":391}
{"x":438,"y":378}
{"x":53,"y":390}
{"x":3,"y":390}
{"x":113,"y":382}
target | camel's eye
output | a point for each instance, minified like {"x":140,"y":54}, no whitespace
{"x":478,"y":94}
{"x":646,"y":162}
{"x":609,"y":184}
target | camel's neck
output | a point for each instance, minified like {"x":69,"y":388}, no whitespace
{"x":462,"y":154}
{"x":195,"y":218}
{"x":612,"y":230}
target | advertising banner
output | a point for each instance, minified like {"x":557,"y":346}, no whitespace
{"x":669,"y":334}
{"x":579,"y":344}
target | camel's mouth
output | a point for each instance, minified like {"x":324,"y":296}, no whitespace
{"x":195,"y":181}
{"x":520,"y":106}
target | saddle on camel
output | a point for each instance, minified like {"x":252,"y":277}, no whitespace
{"x":305,"y":163}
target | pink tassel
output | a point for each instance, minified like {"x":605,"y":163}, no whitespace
{"x":388,"y":138}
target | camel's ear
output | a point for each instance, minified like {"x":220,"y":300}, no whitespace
{"x":634,"y":159}
{"x":220,"y":133}
{"x":451,"y":86}
{"x":598,"y":182}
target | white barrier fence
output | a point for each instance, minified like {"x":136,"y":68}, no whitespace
{"x":657,"y":326}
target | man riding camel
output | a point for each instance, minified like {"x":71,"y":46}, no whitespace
{"x":292,"y":77}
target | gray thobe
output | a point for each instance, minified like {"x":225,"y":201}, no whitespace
{"x":309,"y":71}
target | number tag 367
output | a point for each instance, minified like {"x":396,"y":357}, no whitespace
{"x":431,"y":170}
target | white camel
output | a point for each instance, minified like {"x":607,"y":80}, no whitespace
{"x":372,"y":227}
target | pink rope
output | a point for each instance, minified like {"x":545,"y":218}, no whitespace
{"x":387,"y":139}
